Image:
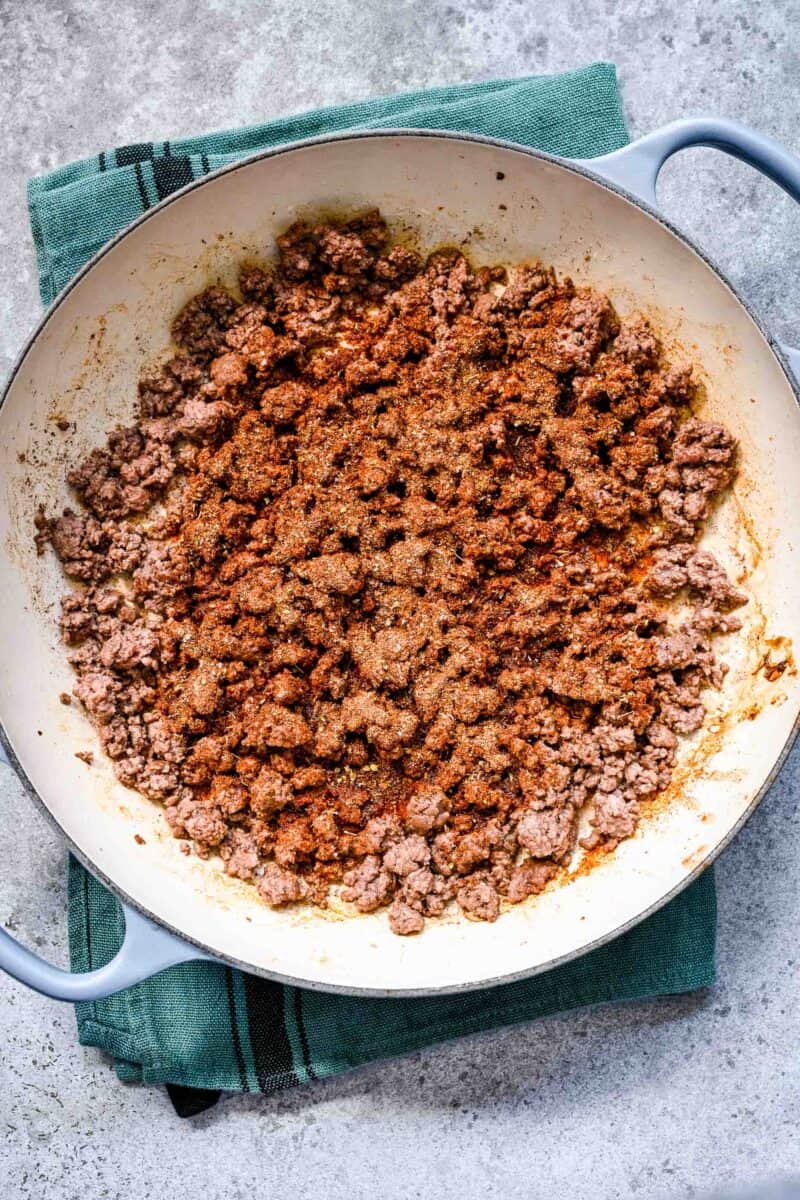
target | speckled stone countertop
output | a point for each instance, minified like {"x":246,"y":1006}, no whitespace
{"x":671,"y":1098}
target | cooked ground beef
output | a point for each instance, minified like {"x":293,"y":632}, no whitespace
{"x":422,"y":584}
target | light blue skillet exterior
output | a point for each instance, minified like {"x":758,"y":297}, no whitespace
{"x":149,"y":948}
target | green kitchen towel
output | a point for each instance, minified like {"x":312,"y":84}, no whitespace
{"x":78,"y":208}
{"x":205,"y":1026}
{"x":202,"y":1025}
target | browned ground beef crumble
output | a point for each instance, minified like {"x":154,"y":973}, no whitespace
{"x":396,"y":573}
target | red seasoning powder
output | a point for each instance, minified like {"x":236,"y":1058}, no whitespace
{"x":395,"y":574}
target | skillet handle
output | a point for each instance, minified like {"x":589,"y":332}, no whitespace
{"x":146,"y":950}
{"x":636,"y":167}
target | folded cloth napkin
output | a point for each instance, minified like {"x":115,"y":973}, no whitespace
{"x":201,"y":1027}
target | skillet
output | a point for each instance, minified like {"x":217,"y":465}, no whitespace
{"x":595,"y":220}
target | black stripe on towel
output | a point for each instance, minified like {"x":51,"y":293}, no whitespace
{"x":301,"y":1028}
{"x":135,"y":153}
{"x":142,"y":189}
{"x":272,"y":1050}
{"x":172,"y":173}
{"x":237,"y":1041}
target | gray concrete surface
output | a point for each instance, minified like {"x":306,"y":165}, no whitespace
{"x":671,"y":1098}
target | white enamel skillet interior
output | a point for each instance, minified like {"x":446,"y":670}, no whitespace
{"x":514,"y":204}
